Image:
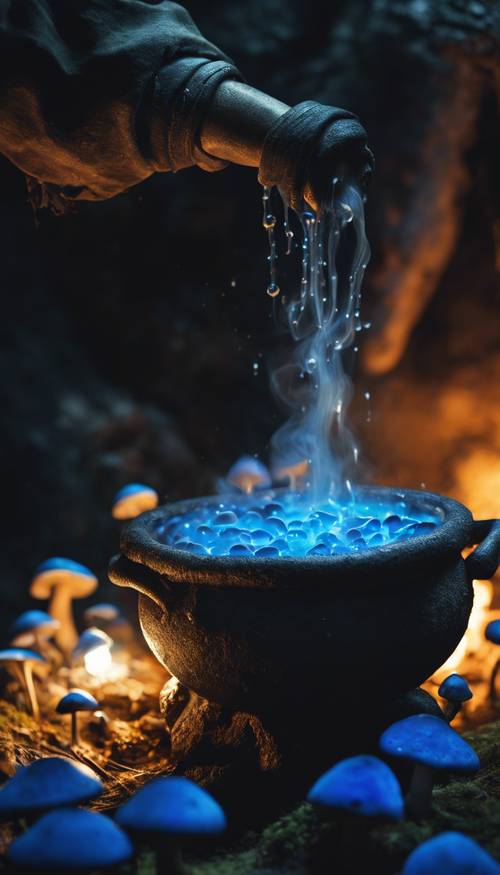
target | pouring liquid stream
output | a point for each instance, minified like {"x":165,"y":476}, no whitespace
{"x":314,"y":447}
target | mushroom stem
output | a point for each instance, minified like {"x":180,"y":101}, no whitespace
{"x":60,"y":608}
{"x":451,"y":711}
{"x":75,"y":738}
{"x":168,"y":857}
{"x":493,"y":691}
{"x":30,"y":690}
{"x":419,"y":797}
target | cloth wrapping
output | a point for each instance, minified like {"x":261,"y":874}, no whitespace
{"x":308,"y":146}
{"x":96,"y":95}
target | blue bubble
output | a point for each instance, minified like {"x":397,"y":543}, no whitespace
{"x":319,"y":550}
{"x":259,"y":536}
{"x":276,"y":526}
{"x":225,"y":518}
{"x":267,"y":552}
{"x":240,"y":550}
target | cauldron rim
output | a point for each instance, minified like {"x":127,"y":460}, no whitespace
{"x":140,"y":544}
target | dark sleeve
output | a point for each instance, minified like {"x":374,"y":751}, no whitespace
{"x":96,"y":95}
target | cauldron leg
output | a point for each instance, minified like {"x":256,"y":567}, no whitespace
{"x":275,"y":759}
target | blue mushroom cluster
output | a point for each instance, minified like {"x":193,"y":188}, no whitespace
{"x":270,"y":526}
{"x":65,"y":837}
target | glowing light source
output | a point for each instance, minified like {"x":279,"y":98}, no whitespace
{"x":98,"y":662}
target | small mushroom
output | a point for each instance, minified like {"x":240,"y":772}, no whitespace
{"x":361,"y":785}
{"x":450,"y":853}
{"x":100,"y":615}
{"x":456,"y":691}
{"x":133,"y":499}
{"x":33,"y":628}
{"x":72,"y":703}
{"x":94,"y":650}
{"x":492,"y":634}
{"x":247,"y":473}
{"x":167,"y":810}
{"x":21,"y":661}
{"x":61,"y":581}
{"x":71,"y":838}
{"x":432,"y":746}
{"x":51,"y":782}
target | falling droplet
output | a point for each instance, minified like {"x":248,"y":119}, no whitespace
{"x":311,"y":365}
{"x":269,"y":221}
{"x":273,"y":290}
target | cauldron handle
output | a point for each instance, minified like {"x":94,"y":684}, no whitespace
{"x":123,"y":572}
{"x":485,"y":559}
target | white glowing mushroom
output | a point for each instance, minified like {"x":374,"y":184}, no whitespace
{"x":61,"y":581}
{"x":133,"y":499}
{"x":21,"y":661}
{"x":94,"y":650}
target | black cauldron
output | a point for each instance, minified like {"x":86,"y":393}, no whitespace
{"x":273,"y":635}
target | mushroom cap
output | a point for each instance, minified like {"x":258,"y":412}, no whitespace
{"x":79,"y":579}
{"x":455,"y":689}
{"x":174,"y":805}
{"x":450,"y":853}
{"x":429,"y":741}
{"x":102,"y":611}
{"x":90,"y":640}
{"x":361,"y":785}
{"x":20,"y":654}
{"x":248,"y":471}
{"x":492,"y":631}
{"x":77,"y":700}
{"x":133,"y":499}
{"x":32,"y":621}
{"x":71,"y":838}
{"x":48,"y":783}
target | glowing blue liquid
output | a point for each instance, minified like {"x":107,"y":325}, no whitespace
{"x":291,"y":526}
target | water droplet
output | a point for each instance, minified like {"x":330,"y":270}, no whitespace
{"x":311,"y":365}
{"x":269,"y":221}
{"x":233,"y":284}
{"x":367,"y":396}
{"x":273,"y":290}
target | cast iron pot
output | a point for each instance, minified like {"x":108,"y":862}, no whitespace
{"x":263,"y":635}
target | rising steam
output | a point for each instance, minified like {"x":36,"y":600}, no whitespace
{"x":314,"y":447}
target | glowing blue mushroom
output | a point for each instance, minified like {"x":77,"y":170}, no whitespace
{"x":431,"y":745}
{"x":33,"y":628}
{"x":168,"y":809}
{"x":450,"y":853}
{"x":133,"y":499}
{"x":361,"y":785}
{"x":62,"y":580}
{"x":492,"y":634}
{"x":71,"y":838}
{"x":456,"y":691}
{"x":72,"y":703}
{"x":51,"y":782}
